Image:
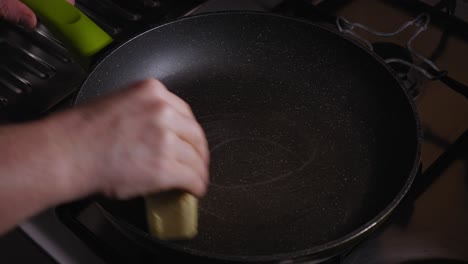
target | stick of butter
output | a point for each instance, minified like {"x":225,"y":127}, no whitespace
{"x":172,"y":215}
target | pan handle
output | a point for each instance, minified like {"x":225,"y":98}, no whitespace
{"x":77,"y":31}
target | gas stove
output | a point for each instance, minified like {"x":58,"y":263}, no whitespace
{"x":37,"y":73}
{"x":425,"y":42}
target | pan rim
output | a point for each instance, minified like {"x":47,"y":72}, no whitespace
{"x":342,"y":241}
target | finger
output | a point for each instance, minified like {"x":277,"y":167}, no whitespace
{"x":180,"y":105}
{"x":156,"y":89}
{"x":181,"y":176}
{"x":17,"y":12}
{"x":186,"y":154}
{"x":173,"y":100}
{"x":187,"y":129}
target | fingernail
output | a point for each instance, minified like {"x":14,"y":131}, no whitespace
{"x":27,"y":20}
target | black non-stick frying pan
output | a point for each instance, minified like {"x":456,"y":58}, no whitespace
{"x":313,"y":140}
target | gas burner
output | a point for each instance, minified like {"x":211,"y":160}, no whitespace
{"x":411,"y":78}
{"x":411,"y":67}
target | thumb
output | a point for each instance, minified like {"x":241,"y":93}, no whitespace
{"x":17,"y":12}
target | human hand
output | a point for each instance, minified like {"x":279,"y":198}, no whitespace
{"x":138,"y":141}
{"x":17,"y":12}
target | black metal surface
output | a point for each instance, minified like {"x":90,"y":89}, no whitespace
{"x":304,"y":9}
{"x":456,"y":26}
{"x":122,"y":19}
{"x":13,"y":246}
{"x":30,"y":62}
{"x":411,"y":79}
{"x":313,"y":139}
{"x":455,"y":85}
{"x":92,"y":224}
{"x":457,"y":150}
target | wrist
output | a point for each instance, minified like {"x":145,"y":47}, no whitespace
{"x":66,"y":135}
{"x":40,"y":167}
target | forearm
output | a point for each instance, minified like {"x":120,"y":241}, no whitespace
{"x":36,"y":171}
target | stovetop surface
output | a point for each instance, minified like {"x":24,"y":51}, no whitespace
{"x":432,"y":224}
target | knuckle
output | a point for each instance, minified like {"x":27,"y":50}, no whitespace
{"x":158,"y":110}
{"x":198,"y":132}
{"x":163,"y":170}
{"x":148,"y":90}
{"x":164,"y":111}
{"x":146,"y":83}
{"x":167,"y":139}
{"x":163,"y":147}
{"x":186,"y":106}
{"x":151,"y":88}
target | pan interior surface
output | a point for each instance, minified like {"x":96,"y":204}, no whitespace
{"x":310,"y":136}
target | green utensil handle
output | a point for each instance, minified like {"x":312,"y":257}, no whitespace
{"x":74,"y":29}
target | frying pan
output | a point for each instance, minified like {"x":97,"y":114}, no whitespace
{"x":313,"y":140}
